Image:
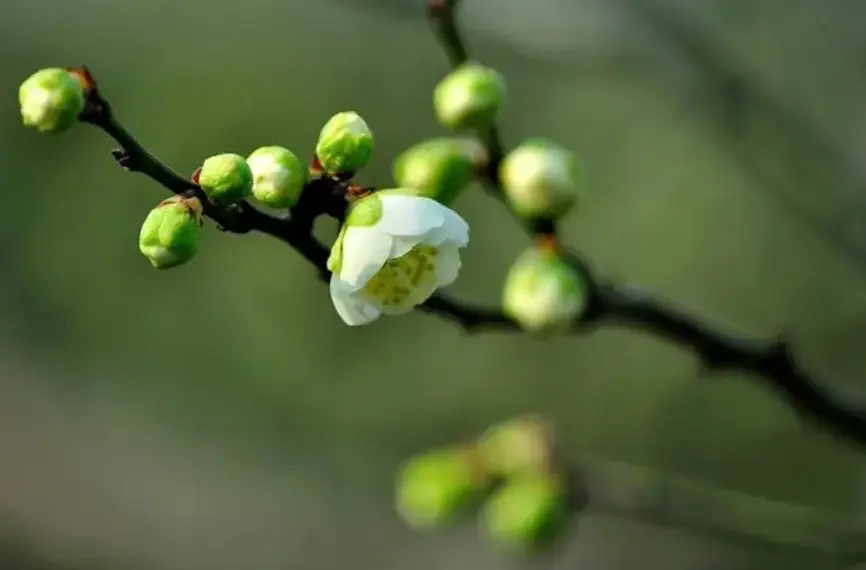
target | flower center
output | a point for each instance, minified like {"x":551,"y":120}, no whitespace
{"x":405,"y":281}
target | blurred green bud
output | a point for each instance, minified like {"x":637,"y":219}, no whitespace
{"x":541,"y":179}
{"x":51,"y":100}
{"x":526,"y":513}
{"x":278,"y":176}
{"x":469,"y":97}
{"x":226,"y":178}
{"x":517,"y":447}
{"x":439,"y":168}
{"x":543,"y":293}
{"x":345,"y":144}
{"x":432,"y":488}
{"x":169,"y":235}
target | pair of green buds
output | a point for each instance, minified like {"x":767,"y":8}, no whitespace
{"x":509,"y":474}
{"x":540,"y":178}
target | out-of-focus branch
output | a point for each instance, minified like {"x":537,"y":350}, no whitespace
{"x":776,"y":145}
{"x":611,"y":304}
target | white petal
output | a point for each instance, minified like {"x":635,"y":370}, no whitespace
{"x":455,"y":230}
{"x":403,"y":245}
{"x":365,"y":251}
{"x":407,"y":216}
{"x":447,"y":265}
{"x":352,"y":308}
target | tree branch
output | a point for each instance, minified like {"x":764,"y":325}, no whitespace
{"x":609,"y":304}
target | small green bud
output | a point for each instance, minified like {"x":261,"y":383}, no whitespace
{"x":345,"y":144}
{"x":278,"y":176}
{"x":469,"y":97}
{"x":51,"y":100}
{"x":526,"y":513}
{"x":543,"y":293}
{"x":439,"y":168}
{"x":226,"y":178}
{"x":517,"y":447}
{"x":541,"y":179}
{"x":169,"y":235}
{"x":432,"y":488}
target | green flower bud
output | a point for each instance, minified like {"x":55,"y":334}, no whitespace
{"x":278,"y":176}
{"x":543,"y":293}
{"x":439,"y":168}
{"x":469,"y":97}
{"x":51,"y":100}
{"x":169,"y":234}
{"x":345,"y":144}
{"x":526,"y":513}
{"x":432,"y":488}
{"x":226,"y":178}
{"x":518,"y":447}
{"x":541,"y":179}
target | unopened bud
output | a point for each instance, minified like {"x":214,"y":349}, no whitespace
{"x":517,"y":447}
{"x":345,"y":144}
{"x":526,"y":513}
{"x":170,"y":233}
{"x":432,"y":488}
{"x":51,"y":100}
{"x":439,"y":168}
{"x":278,"y":176}
{"x":543,"y":293}
{"x":226,"y":178}
{"x":541,"y":179}
{"x":469,"y":97}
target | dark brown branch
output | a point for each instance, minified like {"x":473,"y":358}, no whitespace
{"x":608,"y":304}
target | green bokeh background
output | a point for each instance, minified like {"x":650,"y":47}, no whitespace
{"x":222,"y":416}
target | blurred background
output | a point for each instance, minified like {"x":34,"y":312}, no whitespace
{"x":221,"y":415}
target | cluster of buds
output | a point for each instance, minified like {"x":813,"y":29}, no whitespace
{"x":510,"y":476}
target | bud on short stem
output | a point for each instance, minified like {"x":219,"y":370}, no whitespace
{"x":541,"y":179}
{"x":226,"y":178}
{"x":439,"y":168}
{"x":169,"y":235}
{"x":469,"y":97}
{"x":345,"y":144}
{"x":51,"y":100}
{"x":543,"y":293}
